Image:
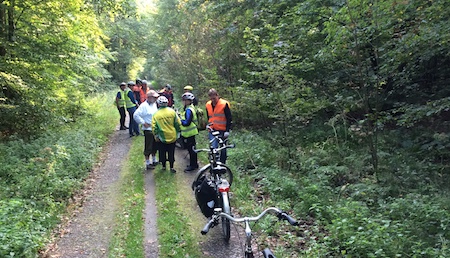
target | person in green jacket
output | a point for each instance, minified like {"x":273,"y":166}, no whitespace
{"x":189,"y":129}
{"x":166,"y":129}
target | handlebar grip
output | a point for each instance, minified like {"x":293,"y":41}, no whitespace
{"x":208,"y":225}
{"x":291,"y":220}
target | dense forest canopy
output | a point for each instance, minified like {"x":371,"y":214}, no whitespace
{"x":368,"y":79}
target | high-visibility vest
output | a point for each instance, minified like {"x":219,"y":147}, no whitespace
{"x":217,"y":117}
{"x":121,"y":101}
{"x":191,"y":129}
{"x":128,"y":103}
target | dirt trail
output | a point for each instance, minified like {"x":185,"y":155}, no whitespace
{"x":87,"y":233}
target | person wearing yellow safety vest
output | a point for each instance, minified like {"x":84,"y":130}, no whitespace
{"x":219,"y":119}
{"x":166,"y":128}
{"x":189,"y":129}
{"x":120,"y":103}
{"x":131,"y":104}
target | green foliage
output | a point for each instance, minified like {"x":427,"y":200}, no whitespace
{"x":23,"y":225}
{"x":356,"y":215}
{"x":39,"y":176}
{"x":52,"y":53}
{"x":413,"y":226}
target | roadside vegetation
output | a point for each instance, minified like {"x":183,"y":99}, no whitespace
{"x":340,"y":108}
{"x":40,"y":176}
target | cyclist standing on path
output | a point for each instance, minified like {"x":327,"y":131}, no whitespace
{"x":168,"y":93}
{"x":120,"y":103}
{"x":137,"y":91}
{"x":166,"y":127}
{"x":143,"y":116}
{"x":131,"y":105}
{"x":189,"y":129}
{"x":219,"y":119}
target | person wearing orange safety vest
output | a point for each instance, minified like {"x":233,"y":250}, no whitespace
{"x":219,"y":119}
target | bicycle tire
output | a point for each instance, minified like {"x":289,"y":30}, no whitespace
{"x":226,"y":225}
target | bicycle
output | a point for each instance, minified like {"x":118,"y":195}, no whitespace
{"x":221,"y":177}
{"x":248,"y":251}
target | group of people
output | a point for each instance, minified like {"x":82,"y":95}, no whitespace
{"x":162,"y":125}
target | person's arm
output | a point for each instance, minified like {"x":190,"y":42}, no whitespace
{"x":227,"y":112}
{"x":177,"y":124}
{"x":138,"y":116}
{"x":155,"y":129}
{"x":188,"y":119}
{"x":117,"y":99}
{"x":131,"y":96}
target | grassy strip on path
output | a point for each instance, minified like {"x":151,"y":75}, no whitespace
{"x":127,"y":240}
{"x":175,"y":215}
{"x":176,"y":229}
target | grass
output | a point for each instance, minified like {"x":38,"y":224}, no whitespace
{"x":176,"y":236}
{"x":176,"y":229}
{"x":127,"y":240}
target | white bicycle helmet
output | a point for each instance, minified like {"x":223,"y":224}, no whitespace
{"x":188,"y":96}
{"x":162,"y":101}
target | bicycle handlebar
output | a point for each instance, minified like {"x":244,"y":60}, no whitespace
{"x":214,"y":150}
{"x":279,"y":214}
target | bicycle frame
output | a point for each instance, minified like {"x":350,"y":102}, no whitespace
{"x":222,"y":177}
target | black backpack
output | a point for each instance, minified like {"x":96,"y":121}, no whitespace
{"x":206,"y":195}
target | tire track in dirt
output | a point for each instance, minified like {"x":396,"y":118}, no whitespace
{"x":88,"y":232}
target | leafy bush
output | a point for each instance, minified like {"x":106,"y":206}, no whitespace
{"x":410,"y":226}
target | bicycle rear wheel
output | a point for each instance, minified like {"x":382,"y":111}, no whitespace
{"x":226,"y":225}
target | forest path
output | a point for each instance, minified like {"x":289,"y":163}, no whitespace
{"x":87,"y":232}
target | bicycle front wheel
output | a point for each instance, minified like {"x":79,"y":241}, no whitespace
{"x":226,"y":225}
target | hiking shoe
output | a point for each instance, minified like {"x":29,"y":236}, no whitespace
{"x":189,"y":169}
{"x":173,"y":170}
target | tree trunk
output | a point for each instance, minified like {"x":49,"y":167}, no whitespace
{"x":2,"y":29}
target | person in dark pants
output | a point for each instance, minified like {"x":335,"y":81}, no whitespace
{"x":189,"y":129}
{"x":143,"y":116}
{"x":120,"y":103}
{"x":166,"y":127}
{"x":219,"y":119}
{"x":131,"y":104}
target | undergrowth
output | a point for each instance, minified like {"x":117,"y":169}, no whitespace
{"x":346,"y":211}
{"x":39,"y":175}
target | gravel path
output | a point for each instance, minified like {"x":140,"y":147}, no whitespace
{"x":88,"y":231}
